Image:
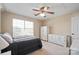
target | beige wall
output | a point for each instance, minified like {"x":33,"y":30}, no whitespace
{"x":57,"y":25}
{"x":7,"y":22}
{"x":0,"y":16}
{"x":61,"y":24}
{"x":0,"y":20}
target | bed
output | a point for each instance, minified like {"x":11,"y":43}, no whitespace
{"x":23,"y":45}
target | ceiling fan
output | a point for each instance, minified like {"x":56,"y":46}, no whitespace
{"x":42,"y":11}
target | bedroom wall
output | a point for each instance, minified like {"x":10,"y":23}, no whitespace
{"x":0,"y":19}
{"x":7,"y":22}
{"x":61,"y":24}
{"x":57,"y":25}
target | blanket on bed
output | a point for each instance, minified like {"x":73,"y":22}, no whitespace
{"x":24,"y":45}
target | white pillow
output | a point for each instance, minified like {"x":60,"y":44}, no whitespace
{"x":3,"y":43}
{"x":7,"y":37}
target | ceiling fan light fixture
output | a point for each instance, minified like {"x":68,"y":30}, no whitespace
{"x":42,"y":11}
{"x":46,"y":8}
{"x":42,"y":14}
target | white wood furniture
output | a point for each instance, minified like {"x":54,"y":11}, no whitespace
{"x":63,"y":40}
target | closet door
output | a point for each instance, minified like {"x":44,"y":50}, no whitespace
{"x":44,"y":33}
{"x":75,"y":33}
{"x":75,"y":27}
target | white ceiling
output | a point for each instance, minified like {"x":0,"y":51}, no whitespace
{"x":26,"y":8}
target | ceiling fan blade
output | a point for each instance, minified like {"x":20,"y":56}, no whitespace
{"x":46,"y":8}
{"x":37,"y":14}
{"x":35,"y":10}
{"x":42,"y":8}
{"x":49,"y":12}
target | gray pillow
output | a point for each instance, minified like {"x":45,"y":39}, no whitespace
{"x":3,"y":43}
{"x":7,"y":37}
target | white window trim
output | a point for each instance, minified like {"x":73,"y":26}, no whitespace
{"x":24,"y":25}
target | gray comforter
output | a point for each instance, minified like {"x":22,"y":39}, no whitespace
{"x":24,"y":45}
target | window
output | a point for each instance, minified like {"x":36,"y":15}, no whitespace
{"x":29,"y":28}
{"x":22,"y":27}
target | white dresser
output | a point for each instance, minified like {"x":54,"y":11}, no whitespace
{"x":58,"y":39}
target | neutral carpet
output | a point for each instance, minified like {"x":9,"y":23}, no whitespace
{"x":51,"y":49}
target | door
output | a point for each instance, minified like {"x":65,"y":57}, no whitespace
{"x":75,"y":28}
{"x":44,"y":33}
